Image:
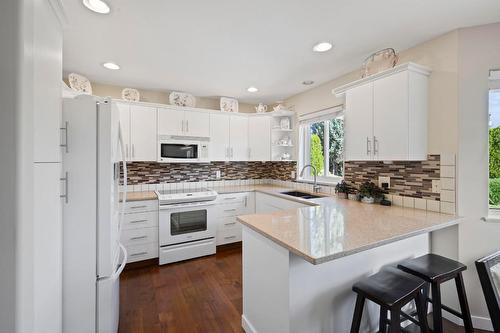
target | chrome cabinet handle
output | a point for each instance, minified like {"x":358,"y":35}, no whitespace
{"x":65,"y":179}
{"x":229,"y":237}
{"x":232,"y":152}
{"x":137,"y":207}
{"x":139,"y":221}
{"x":187,"y":125}
{"x":65,"y":129}
{"x":230,"y":198}
{"x":231,"y":223}
{"x":246,"y":201}
{"x":229,"y":210}
{"x":368,"y":146}
{"x":375,"y":144}
{"x":139,"y":237}
{"x":249,"y":152}
{"x":138,"y":254}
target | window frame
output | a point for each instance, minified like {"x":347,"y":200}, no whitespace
{"x":305,"y":145}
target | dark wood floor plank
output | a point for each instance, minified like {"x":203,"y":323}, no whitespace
{"x":202,"y":295}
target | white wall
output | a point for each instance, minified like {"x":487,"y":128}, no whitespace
{"x":479,"y":51}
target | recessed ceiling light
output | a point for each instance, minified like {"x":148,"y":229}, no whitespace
{"x":111,"y":65}
{"x":252,"y":89}
{"x":307,"y":82}
{"x":322,"y":47}
{"x":97,"y":6}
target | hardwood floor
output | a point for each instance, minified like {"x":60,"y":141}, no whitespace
{"x":199,"y":295}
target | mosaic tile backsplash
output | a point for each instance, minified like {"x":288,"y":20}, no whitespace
{"x":408,"y":178}
{"x":155,"y":173}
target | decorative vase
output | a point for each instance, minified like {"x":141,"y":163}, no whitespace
{"x":352,"y":196}
{"x":368,"y":200}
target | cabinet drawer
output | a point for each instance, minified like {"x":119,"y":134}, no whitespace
{"x":231,"y":198}
{"x":140,"y":220}
{"x":141,"y":206}
{"x":228,"y":236}
{"x":142,"y":252}
{"x":231,"y":210}
{"x":139,"y":236}
{"x":228,"y":223}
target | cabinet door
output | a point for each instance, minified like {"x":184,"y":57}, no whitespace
{"x":219,"y":137}
{"x":124,"y":113}
{"x":238,"y":137}
{"x":259,"y":138}
{"x":47,"y":247}
{"x":47,"y":73}
{"x":170,"y":122}
{"x":358,"y":123}
{"x":197,"y":123}
{"x":390,"y":117}
{"x":143,"y":133}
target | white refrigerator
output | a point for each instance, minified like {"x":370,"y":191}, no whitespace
{"x":93,"y":257}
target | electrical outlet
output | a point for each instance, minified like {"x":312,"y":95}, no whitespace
{"x":382,"y":180}
{"x":292,"y":174}
{"x":217,"y":174}
{"x":436,"y":186}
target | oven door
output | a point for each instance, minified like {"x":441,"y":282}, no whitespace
{"x":182,"y":223}
{"x":178,"y":151}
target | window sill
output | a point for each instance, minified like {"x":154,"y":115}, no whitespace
{"x":493,"y":216}
{"x":333,"y":182}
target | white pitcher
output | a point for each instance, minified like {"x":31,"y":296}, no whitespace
{"x":261,"y":108}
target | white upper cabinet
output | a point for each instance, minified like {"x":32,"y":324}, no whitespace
{"x":358,"y":123}
{"x":219,"y":137}
{"x":143,"y":138}
{"x":139,"y":131}
{"x":197,"y":123}
{"x":386,"y":115}
{"x":47,"y":73}
{"x":259,"y":138}
{"x":181,"y":122}
{"x":170,"y":122}
{"x":238,"y":137}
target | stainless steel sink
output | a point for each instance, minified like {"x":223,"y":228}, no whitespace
{"x":302,"y":195}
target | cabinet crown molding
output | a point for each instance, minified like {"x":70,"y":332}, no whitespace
{"x":409,"y":66}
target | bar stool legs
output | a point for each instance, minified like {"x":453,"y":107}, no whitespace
{"x":382,"y":319}
{"x":358,"y":313}
{"x":464,"y":305}
{"x":437,"y":313}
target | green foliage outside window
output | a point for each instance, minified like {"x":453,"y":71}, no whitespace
{"x":494,"y":183}
{"x":317,"y":154}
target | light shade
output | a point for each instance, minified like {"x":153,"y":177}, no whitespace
{"x":97,"y":6}
{"x":252,"y":89}
{"x":111,"y":65}
{"x":322,"y":47}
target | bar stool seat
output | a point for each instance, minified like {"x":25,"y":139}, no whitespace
{"x":436,"y":270}
{"x":390,"y":288}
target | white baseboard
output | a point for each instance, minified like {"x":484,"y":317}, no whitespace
{"x":247,"y":326}
{"x":481,"y":323}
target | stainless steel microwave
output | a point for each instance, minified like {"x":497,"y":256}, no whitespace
{"x":172,"y":149}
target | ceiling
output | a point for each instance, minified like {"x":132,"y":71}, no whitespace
{"x":221,"y":47}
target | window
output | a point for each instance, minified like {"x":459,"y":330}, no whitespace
{"x":322,"y":145}
{"x":494,"y":149}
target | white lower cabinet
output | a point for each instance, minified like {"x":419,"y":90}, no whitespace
{"x":140,"y":230}
{"x":229,"y":206}
{"x":265,"y":203}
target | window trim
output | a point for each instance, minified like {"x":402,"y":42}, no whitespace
{"x":305,"y":144}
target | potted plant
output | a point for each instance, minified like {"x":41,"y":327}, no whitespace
{"x":342,"y":189}
{"x":370,"y":192}
{"x":353,"y":194}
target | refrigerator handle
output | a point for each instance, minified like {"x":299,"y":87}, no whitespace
{"x":124,"y":193}
{"x":117,"y":273}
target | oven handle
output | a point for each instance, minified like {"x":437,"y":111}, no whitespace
{"x":175,"y":206}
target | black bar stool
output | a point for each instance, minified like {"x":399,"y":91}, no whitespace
{"x":391,"y":289}
{"x":436,"y":269}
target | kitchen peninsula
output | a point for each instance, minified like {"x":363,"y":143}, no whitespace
{"x":299,"y":265}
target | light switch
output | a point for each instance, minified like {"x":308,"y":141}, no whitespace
{"x":292,"y":174}
{"x":436,"y":186}
{"x":382,"y":180}
{"x":217,"y":174}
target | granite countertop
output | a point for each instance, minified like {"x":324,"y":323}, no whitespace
{"x":334,"y":227}
{"x":141,"y":196}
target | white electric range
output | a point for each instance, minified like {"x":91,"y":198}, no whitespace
{"x":186,"y":224}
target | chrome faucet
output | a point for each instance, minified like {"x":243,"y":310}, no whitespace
{"x":316,"y":188}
